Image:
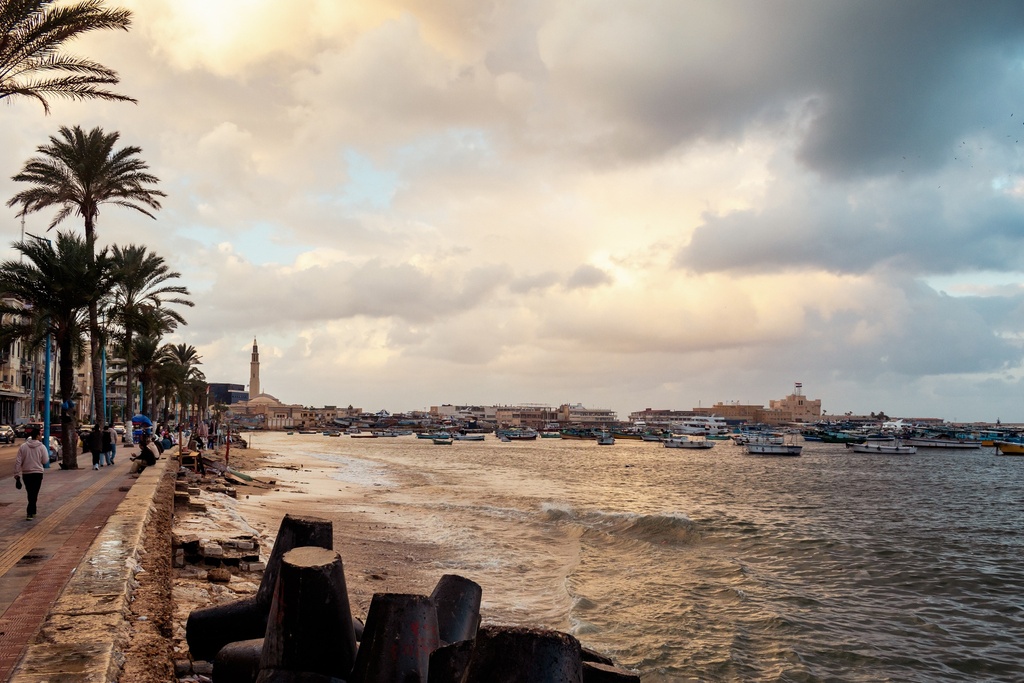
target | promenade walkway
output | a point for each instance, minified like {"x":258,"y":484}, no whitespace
{"x":87,"y":519}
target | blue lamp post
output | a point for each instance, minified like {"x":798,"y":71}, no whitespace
{"x":46,"y":381}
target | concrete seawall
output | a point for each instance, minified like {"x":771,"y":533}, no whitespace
{"x":85,"y":632}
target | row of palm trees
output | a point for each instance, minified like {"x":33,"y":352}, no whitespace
{"x":116,"y":297}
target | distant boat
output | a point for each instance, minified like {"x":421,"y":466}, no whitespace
{"x":1009,"y":448}
{"x":683,"y":442}
{"x":941,"y":442}
{"x":785,"y":446}
{"x":702,"y":425}
{"x":578,"y":434}
{"x":468,"y":437}
{"x":891,"y":448}
{"x":439,"y":441}
{"x":605,"y":439}
{"x":551,"y":435}
{"x":519,"y":434}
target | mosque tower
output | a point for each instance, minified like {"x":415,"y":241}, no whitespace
{"x":254,"y":371}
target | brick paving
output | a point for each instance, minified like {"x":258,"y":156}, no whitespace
{"x":38,"y":557}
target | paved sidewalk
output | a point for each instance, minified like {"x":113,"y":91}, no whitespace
{"x":39,"y":556}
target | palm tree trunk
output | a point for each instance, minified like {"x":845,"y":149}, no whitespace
{"x":66,"y":382}
{"x":94,"y":332}
{"x":130,"y":402}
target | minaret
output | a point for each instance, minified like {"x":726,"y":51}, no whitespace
{"x":254,"y":371}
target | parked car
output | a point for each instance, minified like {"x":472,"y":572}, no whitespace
{"x":6,"y":434}
{"x":119,"y":428}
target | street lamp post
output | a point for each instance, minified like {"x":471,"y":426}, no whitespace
{"x":46,"y":382}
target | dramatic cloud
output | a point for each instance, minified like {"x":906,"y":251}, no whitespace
{"x":646,"y":204}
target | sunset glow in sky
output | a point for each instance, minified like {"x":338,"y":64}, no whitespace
{"x":654,"y":204}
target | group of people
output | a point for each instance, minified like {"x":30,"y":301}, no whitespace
{"x":103,"y":446}
{"x":33,"y":458}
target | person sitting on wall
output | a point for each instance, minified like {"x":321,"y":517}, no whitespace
{"x":147,"y":456}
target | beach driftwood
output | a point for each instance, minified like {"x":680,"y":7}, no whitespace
{"x":209,"y":629}
{"x":309,"y":630}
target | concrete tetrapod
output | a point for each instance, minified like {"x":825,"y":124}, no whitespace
{"x":309,"y":630}
{"x":523,"y":655}
{"x":400,"y":634}
{"x":457,"y":600}
{"x":209,"y":629}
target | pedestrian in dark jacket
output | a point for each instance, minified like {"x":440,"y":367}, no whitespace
{"x":96,"y":448}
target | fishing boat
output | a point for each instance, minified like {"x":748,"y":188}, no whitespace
{"x":783,"y":446}
{"x":891,"y":448}
{"x":1009,"y":448}
{"x":942,"y":441}
{"x":440,"y":441}
{"x":577,"y":433}
{"x":520,"y":434}
{"x":766,"y":448}
{"x":605,"y":439}
{"x":468,"y":437}
{"x":683,"y":442}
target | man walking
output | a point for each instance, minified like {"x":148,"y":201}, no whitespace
{"x":109,"y":444}
{"x":29,"y":465}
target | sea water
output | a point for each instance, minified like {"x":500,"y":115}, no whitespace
{"x":715,"y":565}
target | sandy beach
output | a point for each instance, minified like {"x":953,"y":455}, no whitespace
{"x":368,"y":536}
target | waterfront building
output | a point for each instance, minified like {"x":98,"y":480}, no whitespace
{"x":795,"y":408}
{"x":227,"y":394}
{"x":576,"y":415}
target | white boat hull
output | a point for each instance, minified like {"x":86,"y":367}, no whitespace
{"x":882,"y":448}
{"x":773,"y":449}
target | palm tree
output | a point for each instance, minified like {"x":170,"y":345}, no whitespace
{"x":32,"y":33}
{"x":148,"y":358}
{"x":183,"y":372}
{"x":77,"y":172}
{"x":55,"y":288}
{"x":142,"y":288}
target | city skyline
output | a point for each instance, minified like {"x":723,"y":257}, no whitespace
{"x":620,"y":204}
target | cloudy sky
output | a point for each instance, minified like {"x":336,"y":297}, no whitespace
{"x":655,"y":203}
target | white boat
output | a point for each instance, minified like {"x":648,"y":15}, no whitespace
{"x":941,"y":442}
{"x":892,"y":448}
{"x":744,"y":438}
{"x":702,"y":425}
{"x":787,"y":446}
{"x":677,"y":442}
{"x":468,"y":437}
{"x":605,"y":439}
